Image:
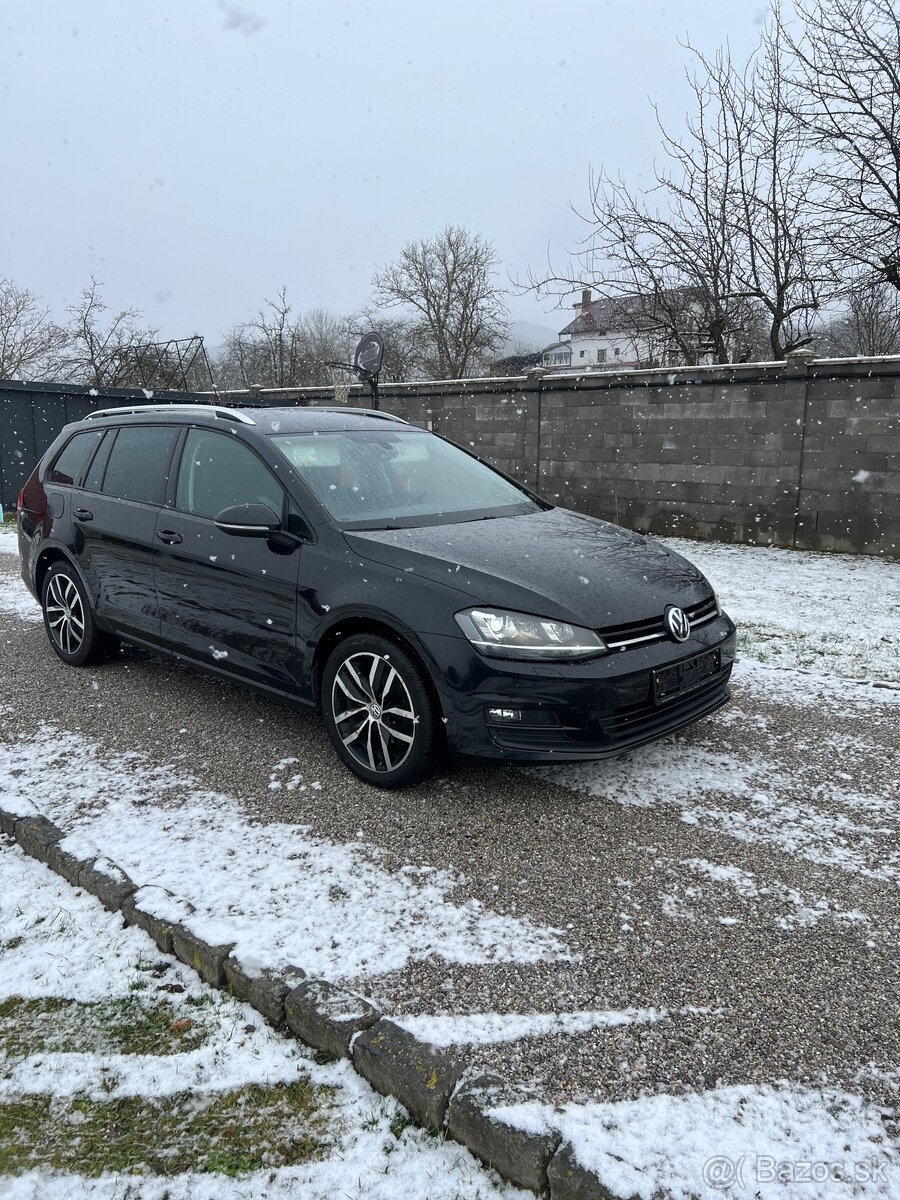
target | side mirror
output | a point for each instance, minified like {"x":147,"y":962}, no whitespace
{"x":249,"y":520}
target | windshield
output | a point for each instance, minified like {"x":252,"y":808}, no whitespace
{"x":373,"y":478}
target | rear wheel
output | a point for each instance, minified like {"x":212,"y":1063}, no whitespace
{"x":379,"y":712}
{"x":68,"y":619}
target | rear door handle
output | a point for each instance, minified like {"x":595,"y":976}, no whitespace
{"x":82,"y":514}
{"x":169,"y":536}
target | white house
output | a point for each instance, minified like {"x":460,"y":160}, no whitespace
{"x":614,"y":333}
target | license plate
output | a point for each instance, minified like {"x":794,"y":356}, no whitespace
{"x":671,"y":681}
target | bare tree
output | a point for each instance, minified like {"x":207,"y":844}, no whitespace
{"x":870,"y":323}
{"x":781,"y":266}
{"x":447,"y":284}
{"x":97,"y":346}
{"x":276,"y":343}
{"x":277,"y":348}
{"x":325,"y":337}
{"x":724,"y":241}
{"x":30,"y":342}
{"x":847,"y":75}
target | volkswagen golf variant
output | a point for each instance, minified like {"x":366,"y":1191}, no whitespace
{"x":418,"y":598}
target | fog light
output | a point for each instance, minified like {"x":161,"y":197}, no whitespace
{"x":504,"y":715}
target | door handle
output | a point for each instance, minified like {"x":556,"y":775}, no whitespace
{"x":169,"y":536}
{"x":82,"y":514}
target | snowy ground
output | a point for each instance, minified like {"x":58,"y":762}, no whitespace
{"x":619,"y":934}
{"x":72,"y":964}
{"x":837,"y":614}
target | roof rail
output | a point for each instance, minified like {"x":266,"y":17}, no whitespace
{"x":207,"y":410}
{"x":364,"y":412}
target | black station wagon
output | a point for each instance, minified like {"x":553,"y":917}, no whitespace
{"x":344,"y":559}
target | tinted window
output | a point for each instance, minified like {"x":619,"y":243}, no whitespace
{"x":139,"y":463}
{"x":398,"y":475}
{"x":217,"y":471}
{"x":70,"y":464}
{"x":93,"y":481}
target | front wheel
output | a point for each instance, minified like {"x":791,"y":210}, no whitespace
{"x":68,"y":619}
{"x":379,"y":712}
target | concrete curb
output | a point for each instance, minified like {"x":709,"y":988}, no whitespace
{"x":435,"y":1087}
{"x":518,"y":1155}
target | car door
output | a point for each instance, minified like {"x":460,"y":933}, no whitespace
{"x":225,"y":600}
{"x":114,"y":521}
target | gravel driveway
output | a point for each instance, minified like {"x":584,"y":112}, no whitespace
{"x":722,"y":906}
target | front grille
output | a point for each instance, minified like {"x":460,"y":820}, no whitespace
{"x":645,"y":633}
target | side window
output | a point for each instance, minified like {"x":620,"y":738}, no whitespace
{"x":217,"y":471}
{"x":139,"y":463}
{"x":93,"y":481}
{"x":75,"y":456}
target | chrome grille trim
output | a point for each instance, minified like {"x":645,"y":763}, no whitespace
{"x":697,"y":615}
{"x":624,"y":643}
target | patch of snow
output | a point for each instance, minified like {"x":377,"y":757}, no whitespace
{"x":835,"y":613}
{"x":9,"y":540}
{"x":16,"y":600}
{"x":804,"y":911}
{"x":769,"y":1142}
{"x":795,"y":688}
{"x":280,"y":893}
{"x":753,"y":800}
{"x":478,"y":1029}
{"x":68,"y":946}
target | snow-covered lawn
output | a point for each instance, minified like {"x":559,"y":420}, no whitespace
{"x":832,"y":613}
{"x":113,"y":1054}
{"x":14,"y":596}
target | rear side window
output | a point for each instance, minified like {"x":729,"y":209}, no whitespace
{"x":218,"y":471}
{"x":93,"y":481}
{"x":76,"y":454}
{"x":138,"y":466}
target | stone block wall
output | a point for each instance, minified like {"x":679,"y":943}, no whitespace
{"x":802,"y":454}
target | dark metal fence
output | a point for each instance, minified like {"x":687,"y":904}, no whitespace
{"x":32,"y":414}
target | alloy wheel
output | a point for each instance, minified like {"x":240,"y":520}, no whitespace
{"x":373,"y":712}
{"x":65,"y":614}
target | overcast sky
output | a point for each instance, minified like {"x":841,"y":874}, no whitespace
{"x":194,"y":154}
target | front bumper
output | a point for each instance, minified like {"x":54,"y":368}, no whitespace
{"x":574,"y":712}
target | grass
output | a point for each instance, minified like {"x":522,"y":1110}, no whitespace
{"x":134,"y":1024}
{"x":805,"y":649}
{"x":230,"y":1133}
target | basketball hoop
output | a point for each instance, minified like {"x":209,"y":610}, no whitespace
{"x":366,"y":366}
{"x":341,"y":382}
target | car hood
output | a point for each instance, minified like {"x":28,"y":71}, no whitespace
{"x":553,"y":563}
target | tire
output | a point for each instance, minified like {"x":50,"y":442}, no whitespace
{"x":68,"y":619}
{"x":379,"y":712}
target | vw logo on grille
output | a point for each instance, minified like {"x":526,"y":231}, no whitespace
{"x":677,"y":623}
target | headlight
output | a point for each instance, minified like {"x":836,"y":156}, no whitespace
{"x":503,"y":634}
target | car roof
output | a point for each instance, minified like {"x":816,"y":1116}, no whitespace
{"x":298,"y":419}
